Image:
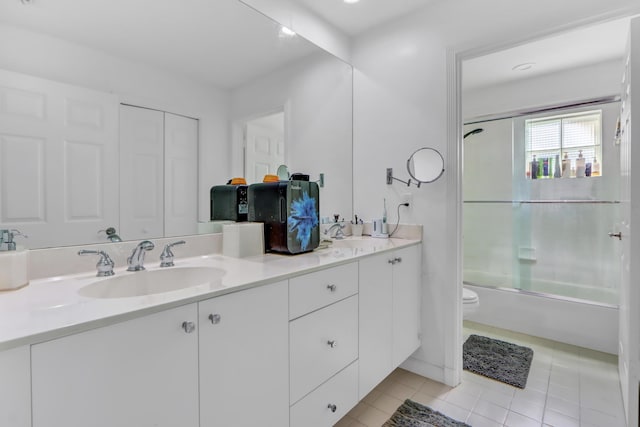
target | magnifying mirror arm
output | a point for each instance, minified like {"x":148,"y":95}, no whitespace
{"x":390,"y":179}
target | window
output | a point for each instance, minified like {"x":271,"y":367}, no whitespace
{"x":566,"y":146}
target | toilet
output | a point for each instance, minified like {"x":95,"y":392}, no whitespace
{"x":470,"y":302}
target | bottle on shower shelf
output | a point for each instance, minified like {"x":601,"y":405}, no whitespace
{"x":534,"y":168}
{"x":580,"y":165}
{"x":556,"y":172}
{"x":595,"y":168}
{"x":566,"y":166}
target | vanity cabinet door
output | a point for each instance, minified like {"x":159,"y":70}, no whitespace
{"x":406,"y":303}
{"x":375,"y":321}
{"x":142,"y":372}
{"x":389,"y":313}
{"x":15,"y":387}
{"x":244,"y":358}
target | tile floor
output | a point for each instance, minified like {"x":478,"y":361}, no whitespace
{"x":567,"y":386}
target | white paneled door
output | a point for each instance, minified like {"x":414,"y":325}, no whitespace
{"x":58,"y":160}
{"x":264,"y":151}
{"x":629,"y":338}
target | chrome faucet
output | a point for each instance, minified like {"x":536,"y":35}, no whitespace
{"x":104,"y":265}
{"x":136,"y":260}
{"x":166,"y":257}
{"x":338,"y":227}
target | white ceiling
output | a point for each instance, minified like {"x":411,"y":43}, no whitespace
{"x":353,"y":19}
{"x":220,"y":42}
{"x":572,"y":49}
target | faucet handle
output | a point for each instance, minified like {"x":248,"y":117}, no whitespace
{"x":105,"y":263}
{"x":166,"y":257}
{"x":6,"y":238}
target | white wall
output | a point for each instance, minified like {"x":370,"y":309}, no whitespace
{"x":133,"y":83}
{"x":316,"y":95}
{"x":400,"y":104}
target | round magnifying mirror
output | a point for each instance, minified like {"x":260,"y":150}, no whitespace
{"x":426,"y":165}
{"x":283,"y":173}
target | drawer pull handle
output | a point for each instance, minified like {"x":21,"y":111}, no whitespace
{"x":332,"y":343}
{"x":214,"y":318}
{"x":333,"y":407}
{"x":332,"y":288}
{"x":188,"y":327}
{"x":394,"y":261}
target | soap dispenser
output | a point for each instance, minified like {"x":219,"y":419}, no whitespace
{"x":13,"y":261}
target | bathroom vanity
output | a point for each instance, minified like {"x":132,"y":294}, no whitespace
{"x":276,"y":341}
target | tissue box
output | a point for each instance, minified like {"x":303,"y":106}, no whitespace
{"x":243,"y":239}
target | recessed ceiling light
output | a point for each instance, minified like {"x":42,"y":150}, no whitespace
{"x":524,"y":66}
{"x":287,"y":31}
{"x":350,"y":1}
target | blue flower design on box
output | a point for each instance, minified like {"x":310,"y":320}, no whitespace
{"x":303,"y":218}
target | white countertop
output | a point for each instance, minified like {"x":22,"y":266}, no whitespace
{"x":50,"y":308}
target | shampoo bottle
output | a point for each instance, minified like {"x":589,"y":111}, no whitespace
{"x":595,"y":168}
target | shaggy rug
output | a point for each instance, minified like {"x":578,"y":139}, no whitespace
{"x":499,"y":360}
{"x":412,"y":414}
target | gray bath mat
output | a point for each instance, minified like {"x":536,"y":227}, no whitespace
{"x":412,"y":414}
{"x":499,"y":360}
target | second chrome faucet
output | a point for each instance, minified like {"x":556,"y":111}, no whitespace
{"x":136,"y":260}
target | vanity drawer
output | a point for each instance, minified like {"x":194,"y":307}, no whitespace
{"x":322,"y":344}
{"x":321,"y":288}
{"x":339,"y":393}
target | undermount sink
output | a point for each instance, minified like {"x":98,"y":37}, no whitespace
{"x":151,"y":282}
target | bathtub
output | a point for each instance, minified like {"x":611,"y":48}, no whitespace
{"x":565,"y":319}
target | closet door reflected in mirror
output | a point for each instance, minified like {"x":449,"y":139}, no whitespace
{"x":158,"y":173}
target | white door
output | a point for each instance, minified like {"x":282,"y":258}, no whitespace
{"x":406,"y":303}
{"x":629,"y":338}
{"x":375,"y":321}
{"x":264,"y":145}
{"x":141,"y":173}
{"x":58,"y":161}
{"x":180,"y":175}
{"x":244,"y":358}
{"x":142,"y":372}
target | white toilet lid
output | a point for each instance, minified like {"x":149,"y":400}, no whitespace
{"x":468,"y":296}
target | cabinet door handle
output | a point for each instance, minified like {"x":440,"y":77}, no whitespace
{"x":392,"y":261}
{"x":398,"y":259}
{"x":332,"y":407}
{"x":332,"y":343}
{"x":332,"y":288}
{"x":215,"y":318}
{"x":188,"y":327}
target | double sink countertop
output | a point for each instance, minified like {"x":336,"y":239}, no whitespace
{"x":53,"y":307}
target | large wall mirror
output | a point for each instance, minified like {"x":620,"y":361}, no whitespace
{"x":101,"y":102}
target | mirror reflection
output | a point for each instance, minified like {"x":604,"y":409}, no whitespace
{"x":425,"y":165}
{"x":104,"y":126}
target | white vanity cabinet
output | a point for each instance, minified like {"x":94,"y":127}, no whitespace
{"x":323,"y":345}
{"x":389,"y":313}
{"x":244,"y":358}
{"x":141,"y":372}
{"x":15,"y":387}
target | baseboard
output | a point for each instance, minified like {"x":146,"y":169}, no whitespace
{"x":420,"y":367}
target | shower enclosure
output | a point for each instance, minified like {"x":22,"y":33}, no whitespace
{"x":540,"y":199}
